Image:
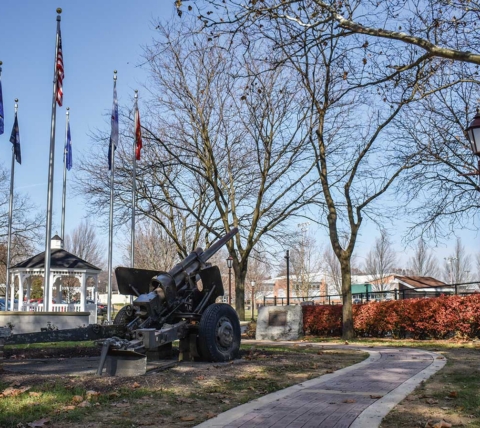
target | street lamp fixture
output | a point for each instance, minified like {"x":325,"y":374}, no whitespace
{"x":253,"y":299}
{"x":229,"y":264}
{"x":473,"y":133}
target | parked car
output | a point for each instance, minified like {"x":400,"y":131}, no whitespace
{"x":2,"y":304}
{"x":101,"y":308}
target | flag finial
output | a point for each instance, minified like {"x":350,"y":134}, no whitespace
{"x":59,"y":10}
{"x":114,"y":74}
{"x":16,"y":105}
{"x":1,"y":62}
{"x":68,"y":108}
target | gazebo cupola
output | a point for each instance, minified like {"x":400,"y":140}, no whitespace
{"x":57,"y":242}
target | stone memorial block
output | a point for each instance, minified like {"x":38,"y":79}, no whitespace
{"x":279,"y":323}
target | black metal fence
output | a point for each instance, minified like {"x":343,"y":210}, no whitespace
{"x":462,"y":289}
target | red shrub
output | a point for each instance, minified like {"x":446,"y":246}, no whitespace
{"x":323,"y":320}
{"x":437,"y":318}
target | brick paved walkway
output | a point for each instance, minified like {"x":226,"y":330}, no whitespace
{"x":338,"y":399}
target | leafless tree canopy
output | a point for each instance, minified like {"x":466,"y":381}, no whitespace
{"x":27,"y":224}
{"x":305,"y":262}
{"x":423,"y":262}
{"x":153,"y":248}
{"x":225,"y":145}
{"x":435,"y":29}
{"x":84,"y":243}
{"x":458,"y":265}
{"x":380,"y":261}
{"x":333,"y":270}
{"x":365,"y":69}
{"x":446,"y":198}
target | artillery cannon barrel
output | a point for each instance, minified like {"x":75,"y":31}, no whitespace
{"x":194,"y":261}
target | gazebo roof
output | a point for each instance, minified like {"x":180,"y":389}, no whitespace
{"x":60,"y":259}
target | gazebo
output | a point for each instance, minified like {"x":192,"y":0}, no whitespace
{"x":63,"y":264}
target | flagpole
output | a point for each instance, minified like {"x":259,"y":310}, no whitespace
{"x":10,"y":216}
{"x":2,"y":118}
{"x":110,"y":233}
{"x":64,"y":194}
{"x":134,"y":185}
{"x":47,"y":298}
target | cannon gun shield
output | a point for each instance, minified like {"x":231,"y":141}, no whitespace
{"x":133,"y":282}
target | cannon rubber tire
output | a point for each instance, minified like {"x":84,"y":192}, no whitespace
{"x":123,"y":316}
{"x":219,"y":333}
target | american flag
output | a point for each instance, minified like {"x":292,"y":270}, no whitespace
{"x":60,"y":73}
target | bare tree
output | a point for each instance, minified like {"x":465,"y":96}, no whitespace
{"x":380,"y":261}
{"x":27,"y":224}
{"x":333,"y":269}
{"x":153,"y":248}
{"x":442,"y":182}
{"x":305,"y":264}
{"x":436,"y":29}
{"x":225,"y":147}
{"x":477,"y":258}
{"x":84,"y":243}
{"x":458,"y":265}
{"x":423,"y":262}
{"x":394,"y":51}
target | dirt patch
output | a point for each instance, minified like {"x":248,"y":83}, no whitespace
{"x":180,"y":397}
{"x":11,"y":353}
{"x":452,"y":395}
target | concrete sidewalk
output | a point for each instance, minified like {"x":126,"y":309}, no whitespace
{"x":359,"y":396}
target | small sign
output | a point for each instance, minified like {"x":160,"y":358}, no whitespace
{"x":277,"y":319}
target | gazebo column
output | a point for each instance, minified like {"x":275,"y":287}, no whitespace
{"x":29,"y":288}
{"x":12,"y":292}
{"x":20,"y":291}
{"x":83,"y":292}
{"x":59,"y":290}
{"x":48,"y":305}
{"x":95,"y":297}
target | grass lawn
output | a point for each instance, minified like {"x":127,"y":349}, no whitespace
{"x":180,"y":397}
{"x":192,"y":392}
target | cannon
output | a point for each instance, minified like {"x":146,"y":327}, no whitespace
{"x":176,"y":305}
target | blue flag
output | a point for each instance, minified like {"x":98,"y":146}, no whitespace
{"x":15,"y":140}
{"x":114,"y":123}
{"x":68,"y":149}
{"x":2,"y":129}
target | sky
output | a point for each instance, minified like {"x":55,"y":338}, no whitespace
{"x":98,"y":37}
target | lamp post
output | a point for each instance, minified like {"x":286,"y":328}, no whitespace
{"x":253,"y":299}
{"x":287,"y":257}
{"x":229,"y":264}
{"x":473,"y":133}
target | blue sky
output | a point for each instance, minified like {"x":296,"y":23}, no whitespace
{"x":98,"y":37}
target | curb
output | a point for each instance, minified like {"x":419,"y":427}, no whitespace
{"x":373,"y":415}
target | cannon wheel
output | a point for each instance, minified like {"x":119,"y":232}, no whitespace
{"x":124,"y":316}
{"x":219,"y":333}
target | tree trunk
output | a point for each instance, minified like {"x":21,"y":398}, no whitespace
{"x":347,"y":316}
{"x":240,"y":275}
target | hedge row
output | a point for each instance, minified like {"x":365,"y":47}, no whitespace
{"x":436,"y":318}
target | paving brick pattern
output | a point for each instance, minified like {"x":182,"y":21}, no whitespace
{"x":338,"y":402}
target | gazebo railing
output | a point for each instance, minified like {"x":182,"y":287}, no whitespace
{"x":57,"y":307}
